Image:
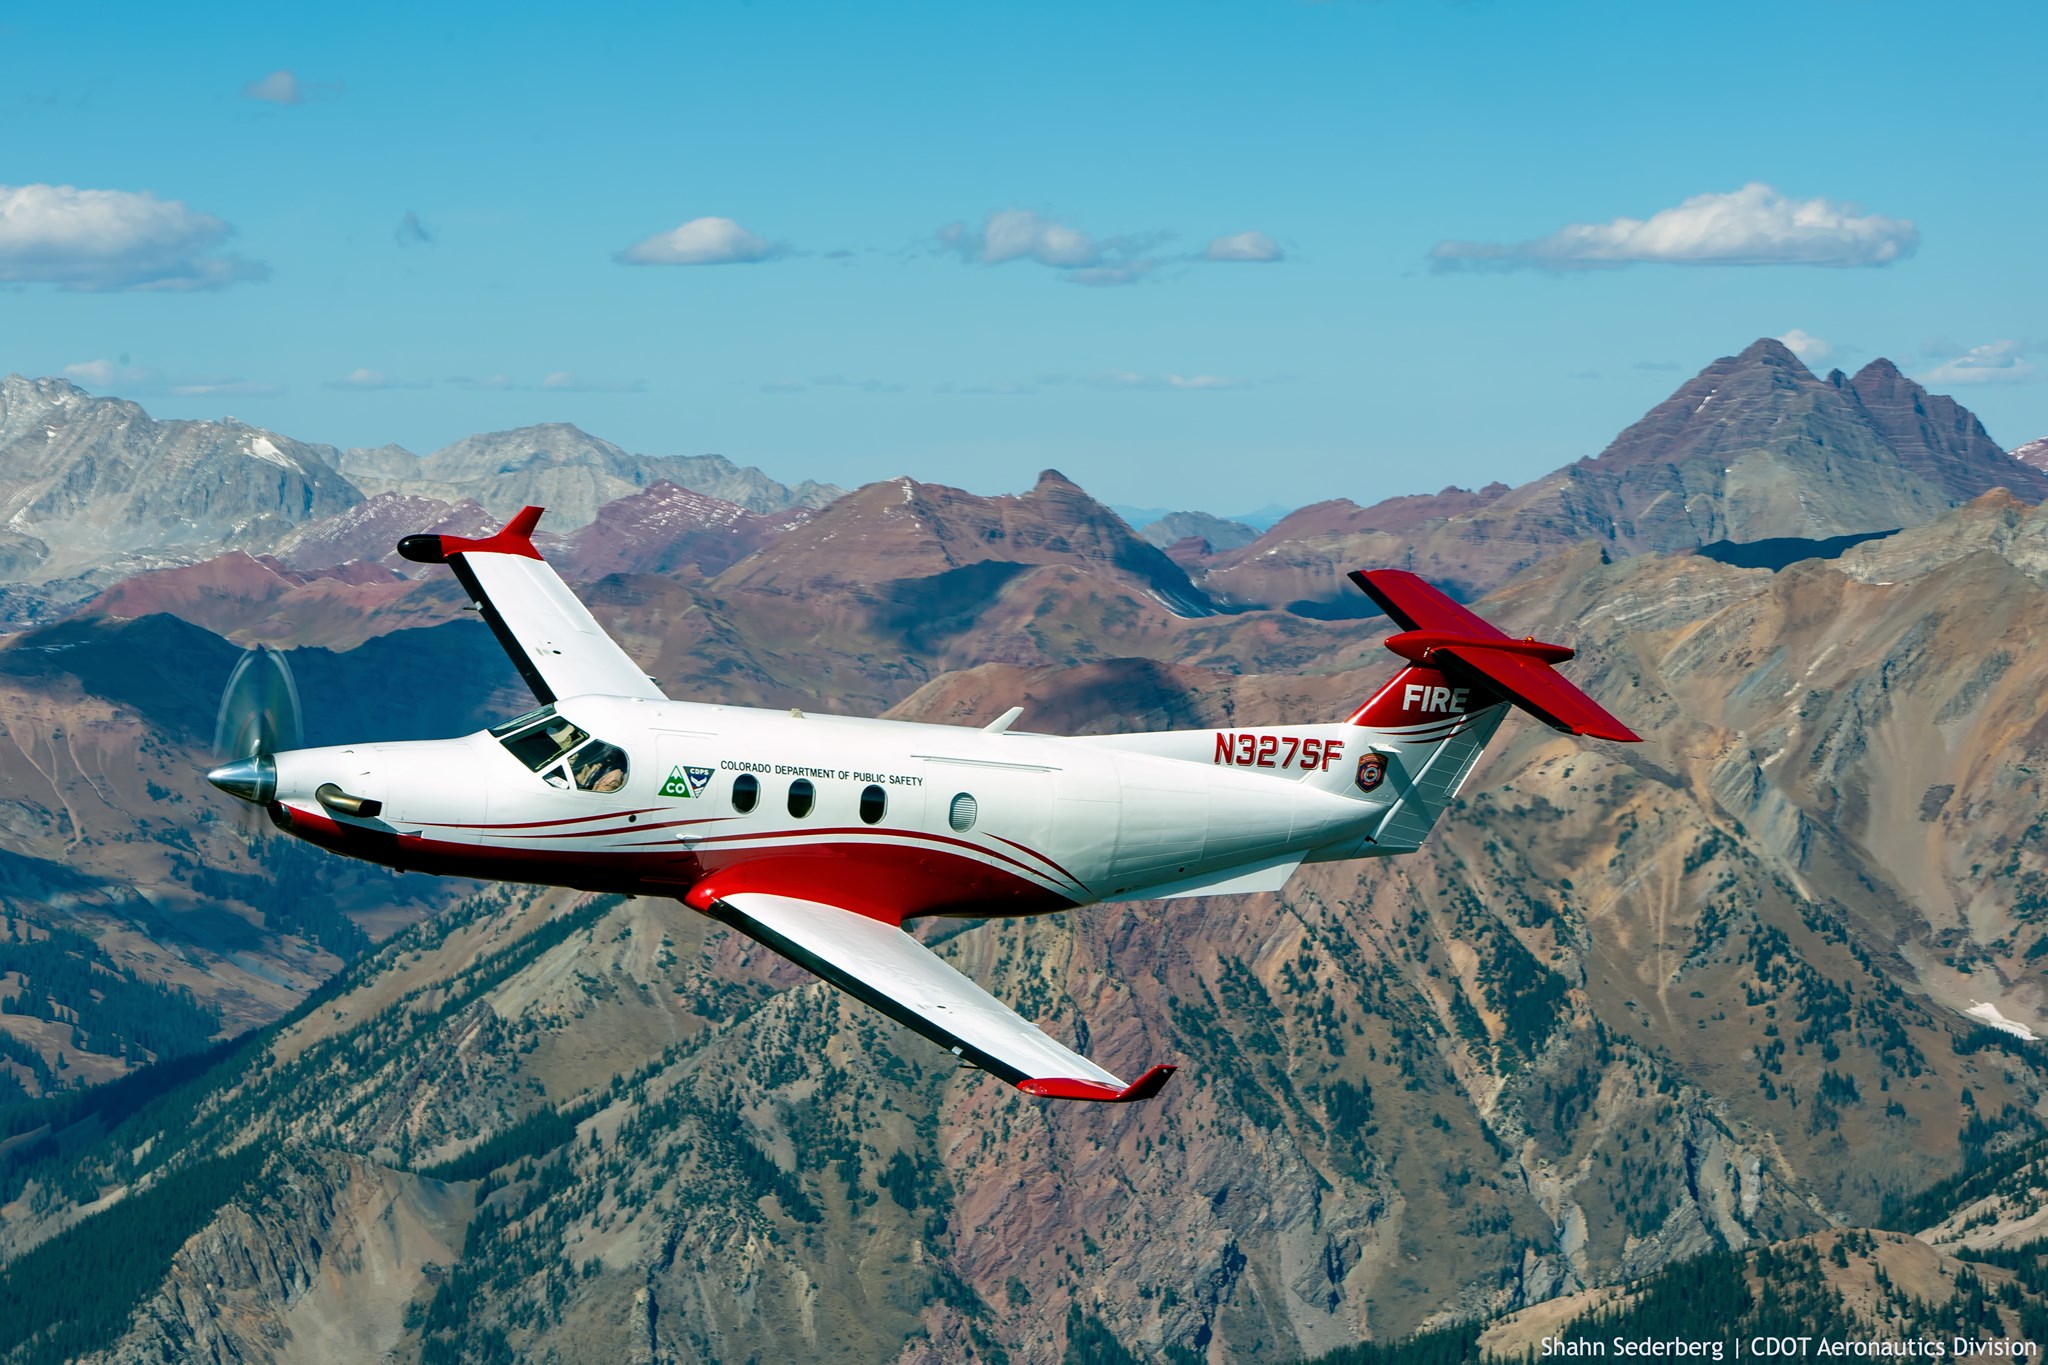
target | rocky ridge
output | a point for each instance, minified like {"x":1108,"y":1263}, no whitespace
{"x":85,"y":480}
{"x":567,"y":470}
{"x":1754,"y":447}
{"x":1632,"y":1004}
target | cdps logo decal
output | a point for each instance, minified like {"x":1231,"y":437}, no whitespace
{"x":686,"y":782}
{"x":1372,"y":770}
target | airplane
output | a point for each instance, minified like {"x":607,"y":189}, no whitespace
{"x":822,"y":836}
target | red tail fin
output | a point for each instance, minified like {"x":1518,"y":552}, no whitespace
{"x":1439,"y":634}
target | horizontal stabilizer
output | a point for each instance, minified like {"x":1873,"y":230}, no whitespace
{"x":1439,"y":633}
{"x":1539,"y":689}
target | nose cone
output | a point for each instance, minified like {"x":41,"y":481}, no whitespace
{"x":252,"y":779}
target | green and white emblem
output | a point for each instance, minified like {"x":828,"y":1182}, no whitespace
{"x":687,"y":783}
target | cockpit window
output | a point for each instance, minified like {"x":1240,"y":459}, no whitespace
{"x":539,"y":745}
{"x":599,"y":767}
{"x":518,"y":723}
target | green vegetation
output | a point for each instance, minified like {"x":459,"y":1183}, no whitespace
{"x":69,"y":980}
{"x":74,"y":1294}
{"x":293,"y":893}
{"x":533,"y":1136}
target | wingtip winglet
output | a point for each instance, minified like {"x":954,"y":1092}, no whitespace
{"x":1068,"y":1088}
{"x":515,"y":537}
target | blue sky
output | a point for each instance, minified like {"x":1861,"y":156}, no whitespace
{"x":539,"y":150}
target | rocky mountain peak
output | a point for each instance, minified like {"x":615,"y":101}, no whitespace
{"x":2034,"y":454}
{"x":904,"y":529}
{"x":1938,"y":438}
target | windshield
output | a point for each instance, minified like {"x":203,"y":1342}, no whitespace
{"x":539,"y":745}
{"x":521,"y":722}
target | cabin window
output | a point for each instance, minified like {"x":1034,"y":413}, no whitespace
{"x":961,"y":814}
{"x":599,"y":767}
{"x":746,"y":792}
{"x":874,"y":804}
{"x":802,"y":796}
{"x":539,"y":745}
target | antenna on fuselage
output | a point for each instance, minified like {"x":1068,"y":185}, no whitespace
{"x":1002,"y":723}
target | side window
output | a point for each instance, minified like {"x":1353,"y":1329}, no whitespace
{"x":962,"y":813}
{"x":599,"y":767}
{"x":544,"y":743}
{"x":746,"y":792}
{"x":874,"y":804}
{"x":802,"y":796}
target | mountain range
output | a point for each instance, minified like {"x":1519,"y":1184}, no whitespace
{"x":1744,"y":990}
{"x":94,"y":489}
{"x":1753,"y":447}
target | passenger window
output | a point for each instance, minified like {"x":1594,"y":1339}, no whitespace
{"x":746,"y":791}
{"x":874,"y":804}
{"x":802,"y":796}
{"x":599,"y":767}
{"x":544,"y":743}
{"x":961,"y":814}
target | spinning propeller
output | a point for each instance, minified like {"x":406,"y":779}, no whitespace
{"x":259,"y":715}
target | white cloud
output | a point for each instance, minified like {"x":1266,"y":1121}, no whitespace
{"x":111,"y":374}
{"x":1244,"y":246}
{"x":113,"y":239}
{"x":1126,"y":379}
{"x":1021,"y":235}
{"x":702,"y":241}
{"x":1806,"y":345}
{"x":1754,"y":225}
{"x":230,"y":388}
{"x":1999,"y":362}
{"x":363,"y":378}
{"x":279,"y":87}
{"x":567,"y":381}
{"x":1007,"y":235}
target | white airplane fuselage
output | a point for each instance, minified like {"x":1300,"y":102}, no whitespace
{"x":818,"y":836}
{"x":902,"y":819}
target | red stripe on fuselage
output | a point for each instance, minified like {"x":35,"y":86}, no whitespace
{"x":1041,"y":857}
{"x":884,"y":881}
{"x":872,"y":832}
{"x":537,"y":824}
{"x":605,"y":833}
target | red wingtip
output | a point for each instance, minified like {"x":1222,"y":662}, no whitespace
{"x":515,"y":537}
{"x":1066,"y":1088}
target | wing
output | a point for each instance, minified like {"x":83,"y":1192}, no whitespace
{"x":554,"y":641}
{"x":881,"y":966}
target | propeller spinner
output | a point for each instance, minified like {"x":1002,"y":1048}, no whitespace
{"x":259,"y":715}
